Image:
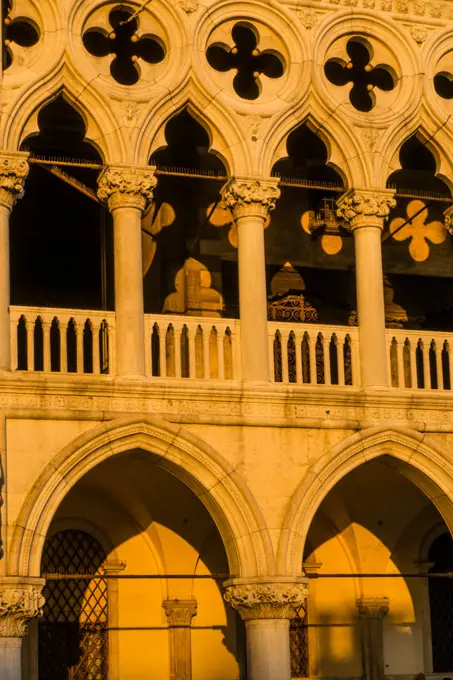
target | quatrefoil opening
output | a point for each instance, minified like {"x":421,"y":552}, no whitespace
{"x":125,"y":44}
{"x":22,"y":32}
{"x":361,"y":73}
{"x":247,"y":60}
{"x":443,"y":84}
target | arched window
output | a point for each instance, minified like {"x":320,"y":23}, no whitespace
{"x":73,"y":630}
{"x":441,"y":604}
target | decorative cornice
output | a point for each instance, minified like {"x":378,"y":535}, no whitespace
{"x":247,"y":195}
{"x":20,"y":601}
{"x":180,"y":612}
{"x":14,"y":169}
{"x":372,"y":607}
{"x":127,"y":186}
{"x":365,"y":207}
{"x":266,"y":599}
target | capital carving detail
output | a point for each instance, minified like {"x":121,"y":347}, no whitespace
{"x":361,"y":207}
{"x":14,"y":169}
{"x":372,"y":607}
{"x":242,"y":193}
{"x":448,"y":219}
{"x":18,"y":604}
{"x":266,"y":600}
{"x":127,"y":185}
{"x":180,"y":612}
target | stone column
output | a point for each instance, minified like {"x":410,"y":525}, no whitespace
{"x":371,"y":612}
{"x":180,"y":614}
{"x":250,"y":202}
{"x":127,"y":191}
{"x":366,"y":210}
{"x":13,"y":172}
{"x":20,"y":601}
{"x":266,"y":606}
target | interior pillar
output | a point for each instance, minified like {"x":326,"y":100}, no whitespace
{"x":20,"y":601}
{"x":13,"y":172}
{"x":266,"y":606}
{"x":365,"y":210}
{"x":250,"y":202}
{"x":127,"y":191}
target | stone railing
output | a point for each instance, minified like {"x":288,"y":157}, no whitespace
{"x":313,"y":354}
{"x":420,"y":359}
{"x":62,"y":340}
{"x":192,"y":347}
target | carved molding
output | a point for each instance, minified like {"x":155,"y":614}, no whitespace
{"x":127,"y":186}
{"x":363,"y":207}
{"x":14,"y":169}
{"x":372,"y":607}
{"x":180,"y":612}
{"x":19,"y":602}
{"x":243,"y":196}
{"x":266,"y":599}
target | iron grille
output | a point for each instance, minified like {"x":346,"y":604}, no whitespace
{"x":298,"y":640}
{"x":73,"y":630}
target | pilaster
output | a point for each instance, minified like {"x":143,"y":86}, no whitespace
{"x":179,"y":615}
{"x":371,"y":612}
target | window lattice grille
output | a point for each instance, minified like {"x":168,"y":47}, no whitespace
{"x":73,"y":631}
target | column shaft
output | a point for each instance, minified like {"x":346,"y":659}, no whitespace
{"x":252,"y":298}
{"x":10,"y":658}
{"x":5,"y":351}
{"x":268,"y":649}
{"x":370,"y":306}
{"x":130,"y":323}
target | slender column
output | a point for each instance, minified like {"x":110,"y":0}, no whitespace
{"x":127,"y":191}
{"x":250,"y":201}
{"x":180,"y":614}
{"x":366,"y":210}
{"x":267,"y":606}
{"x":20,"y":601}
{"x":371,"y":612}
{"x":13,"y":172}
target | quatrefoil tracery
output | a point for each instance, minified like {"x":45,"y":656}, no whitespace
{"x":20,"y":31}
{"x":127,"y":46}
{"x":247,"y":60}
{"x":361,"y":73}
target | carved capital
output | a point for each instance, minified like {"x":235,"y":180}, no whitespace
{"x":266,"y":599}
{"x":127,"y":186}
{"x":448,"y":219}
{"x":372,"y":607}
{"x":14,"y":169}
{"x":365,"y":207}
{"x":180,"y":612}
{"x":20,"y":601}
{"x":247,"y":196}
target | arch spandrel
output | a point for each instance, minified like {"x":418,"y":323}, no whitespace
{"x":415,"y":455}
{"x":216,"y":483}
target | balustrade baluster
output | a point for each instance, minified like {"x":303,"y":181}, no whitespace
{"x":64,"y":345}
{"x":206,"y":353}
{"x":298,"y":342}
{"x":312,"y":355}
{"x":326,"y":352}
{"x":340,"y":358}
{"x":426,"y":364}
{"x":162,"y":352}
{"x":30,"y":345}
{"x":178,"y":333}
{"x":220,"y":352}
{"x":284,"y":343}
{"x":79,"y":341}
{"x":413,"y":359}
{"x":46,"y":325}
{"x":149,"y":326}
{"x":14,"y":341}
{"x":400,"y":361}
{"x":96,"y":353}
{"x":439,"y":372}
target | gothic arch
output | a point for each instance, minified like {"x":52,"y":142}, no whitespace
{"x":216,"y":483}
{"x":414,"y":454}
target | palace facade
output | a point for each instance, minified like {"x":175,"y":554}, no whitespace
{"x":226,"y":339}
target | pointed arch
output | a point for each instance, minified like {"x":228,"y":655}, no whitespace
{"x":413,"y":454}
{"x":214,"y":481}
{"x":103,"y":130}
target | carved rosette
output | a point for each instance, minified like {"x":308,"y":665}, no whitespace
{"x":372,"y":607}
{"x":363,"y":207}
{"x":18,"y":604}
{"x":247,"y":196}
{"x":127,"y":186}
{"x":14,"y":169}
{"x":266,"y":599}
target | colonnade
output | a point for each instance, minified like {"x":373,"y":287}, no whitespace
{"x":128,"y":190}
